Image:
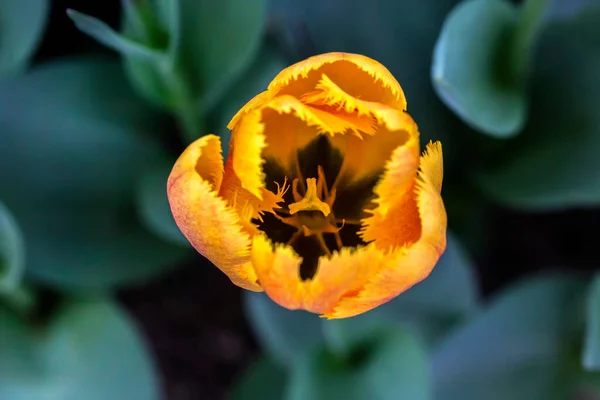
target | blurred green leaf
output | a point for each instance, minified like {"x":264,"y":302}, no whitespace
{"x":11,"y":252}
{"x":518,"y":348}
{"x":215,"y":40}
{"x":471,"y":69}
{"x":399,"y":34}
{"x":90,"y":351}
{"x":591,"y":350}
{"x":75,"y":140}
{"x":153,"y":204}
{"x":93,"y":247}
{"x":22,"y":24}
{"x":568,"y":8}
{"x":108,"y":37}
{"x":553,"y":164}
{"x":143,"y":49}
{"x":392,"y":365}
{"x":263,"y":380}
{"x":285,"y":335}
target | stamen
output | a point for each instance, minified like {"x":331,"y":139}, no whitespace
{"x":299,"y":172}
{"x":282,"y":190}
{"x":338,"y":239}
{"x":322,"y":181}
{"x":297,"y":196}
{"x":294,"y":237}
{"x":323,"y":245}
{"x":348,"y":221}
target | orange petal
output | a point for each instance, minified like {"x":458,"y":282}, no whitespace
{"x":278,"y":268}
{"x":405,"y":266}
{"x":204,"y":218}
{"x":367,"y":156}
{"x":395,"y":221}
{"x":359,"y":76}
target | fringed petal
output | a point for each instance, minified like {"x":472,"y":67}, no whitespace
{"x":278,"y":268}
{"x":205,"y":219}
{"x":405,"y":266}
{"x":357,"y":75}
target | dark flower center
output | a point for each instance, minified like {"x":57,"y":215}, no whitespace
{"x":322,"y":210}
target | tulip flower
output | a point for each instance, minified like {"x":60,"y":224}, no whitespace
{"x":325,"y":201}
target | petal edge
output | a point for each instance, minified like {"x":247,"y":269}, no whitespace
{"x":406,"y":266}
{"x":205,"y":219}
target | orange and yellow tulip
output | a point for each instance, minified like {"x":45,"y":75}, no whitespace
{"x":325,"y":201}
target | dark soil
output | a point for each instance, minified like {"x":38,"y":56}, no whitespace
{"x":194,"y":324}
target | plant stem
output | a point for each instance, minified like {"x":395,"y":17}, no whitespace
{"x":186,"y":111}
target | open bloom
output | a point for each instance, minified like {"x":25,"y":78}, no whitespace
{"x":324,"y":201}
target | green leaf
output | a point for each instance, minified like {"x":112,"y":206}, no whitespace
{"x":75,"y":140}
{"x":553,"y":164}
{"x":399,"y":34}
{"x":108,"y":37}
{"x":263,"y":380}
{"x":591,"y":350}
{"x":90,"y":350}
{"x":518,"y":348}
{"x":470,"y":69}
{"x":392,"y":365}
{"x":153,"y":204}
{"x":285,"y":335}
{"x":215,"y":41}
{"x":22,"y":23}
{"x":11,"y":252}
{"x":143,"y":47}
{"x":93,"y":248}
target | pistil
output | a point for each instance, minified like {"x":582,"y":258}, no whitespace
{"x":312,"y":214}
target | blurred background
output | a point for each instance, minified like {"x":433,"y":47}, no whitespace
{"x":102,"y":298}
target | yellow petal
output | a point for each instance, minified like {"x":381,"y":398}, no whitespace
{"x":276,"y":131}
{"x":359,"y":76}
{"x":405,"y":266}
{"x":278,"y":268}
{"x":204,"y":218}
{"x":329,"y":93}
{"x":246,"y":146}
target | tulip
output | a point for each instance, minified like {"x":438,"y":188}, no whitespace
{"x":325,"y":201}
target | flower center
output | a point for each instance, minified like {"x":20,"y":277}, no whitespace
{"x":322,"y":212}
{"x":312,"y":216}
